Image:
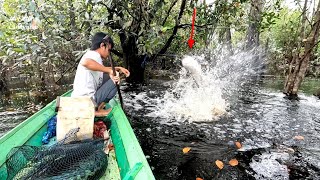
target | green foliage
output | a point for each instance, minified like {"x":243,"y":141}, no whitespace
{"x":286,"y":30}
{"x":46,"y":38}
{"x":270,"y":15}
{"x":283,"y":35}
{"x":36,"y":39}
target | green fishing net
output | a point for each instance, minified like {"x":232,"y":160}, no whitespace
{"x":67,"y":159}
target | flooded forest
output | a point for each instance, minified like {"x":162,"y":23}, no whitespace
{"x":218,"y":89}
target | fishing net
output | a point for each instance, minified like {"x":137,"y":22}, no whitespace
{"x":67,"y":159}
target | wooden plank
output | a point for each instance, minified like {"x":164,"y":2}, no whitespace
{"x":75,"y":112}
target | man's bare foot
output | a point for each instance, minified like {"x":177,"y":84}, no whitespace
{"x":102,"y":112}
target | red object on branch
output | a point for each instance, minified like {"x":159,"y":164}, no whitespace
{"x":191,"y":40}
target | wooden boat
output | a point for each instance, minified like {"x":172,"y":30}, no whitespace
{"x":127,"y":162}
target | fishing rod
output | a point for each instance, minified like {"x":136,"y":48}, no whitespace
{"x":117,"y":85}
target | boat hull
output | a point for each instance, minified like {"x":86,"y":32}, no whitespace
{"x":130,"y":162}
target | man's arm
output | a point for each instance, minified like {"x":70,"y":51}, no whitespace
{"x":94,"y":66}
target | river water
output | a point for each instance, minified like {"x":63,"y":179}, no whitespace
{"x":226,"y":103}
{"x":223,"y":100}
{"x":267,"y":124}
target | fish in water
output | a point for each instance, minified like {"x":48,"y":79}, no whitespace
{"x":194,"y":68}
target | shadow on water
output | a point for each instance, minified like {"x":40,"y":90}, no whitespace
{"x":267,"y":125}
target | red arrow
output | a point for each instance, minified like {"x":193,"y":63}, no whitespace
{"x":191,"y":40}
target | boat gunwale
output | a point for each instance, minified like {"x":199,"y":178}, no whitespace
{"x":131,"y":147}
{"x":49,"y":107}
{"x":25,"y":122}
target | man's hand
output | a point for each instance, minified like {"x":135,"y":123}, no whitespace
{"x":125,"y":71}
{"x":115,"y":79}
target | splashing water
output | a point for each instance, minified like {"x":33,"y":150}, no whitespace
{"x":206,"y":86}
{"x":267,"y":166}
{"x":260,"y":118}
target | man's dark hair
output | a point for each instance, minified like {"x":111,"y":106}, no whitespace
{"x":99,"y":38}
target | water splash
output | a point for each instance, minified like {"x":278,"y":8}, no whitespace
{"x":260,"y":118}
{"x":207,"y":84}
{"x":267,"y":166}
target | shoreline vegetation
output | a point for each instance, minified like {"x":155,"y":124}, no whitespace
{"x":43,"y":41}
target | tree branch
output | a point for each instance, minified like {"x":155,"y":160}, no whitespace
{"x":45,"y":18}
{"x":70,"y":69}
{"x":168,"y":13}
{"x":126,"y":8}
{"x":175,"y":30}
{"x":156,"y":7}
{"x":113,"y":24}
{"x":198,"y":26}
{"x":117,"y":53}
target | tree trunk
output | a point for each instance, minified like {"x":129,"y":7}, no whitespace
{"x":304,"y":19}
{"x":255,"y":19}
{"x":131,"y":59}
{"x":299,"y":65}
{"x":141,"y":18}
{"x":3,"y":80}
{"x":224,"y":39}
{"x":72,"y":16}
{"x":294,"y":61}
{"x":129,"y":46}
{"x":228,"y":40}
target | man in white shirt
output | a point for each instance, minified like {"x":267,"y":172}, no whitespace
{"x":93,"y":78}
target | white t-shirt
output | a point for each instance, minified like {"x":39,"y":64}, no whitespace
{"x":86,"y":82}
